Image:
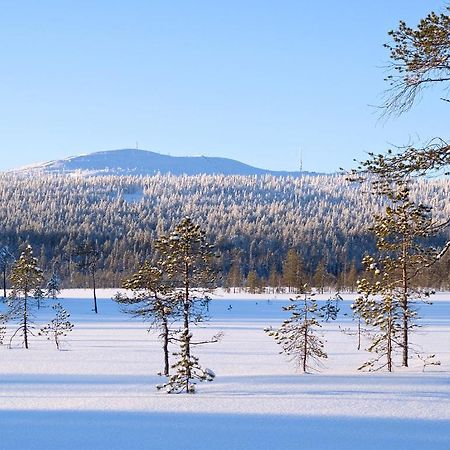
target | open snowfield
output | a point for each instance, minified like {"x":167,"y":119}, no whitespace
{"x":99,"y":393}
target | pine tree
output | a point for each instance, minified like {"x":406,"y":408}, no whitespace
{"x":58,"y":327}
{"x":26,"y":277}
{"x":297,"y":335}
{"x":331,"y":308}
{"x":400,"y":233}
{"x":6,"y":259}
{"x":89,"y":256}
{"x":185,"y":256}
{"x":153,"y":300}
{"x":379,"y":309}
{"x":38,"y":295}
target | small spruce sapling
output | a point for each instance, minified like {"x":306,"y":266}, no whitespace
{"x":58,"y":327}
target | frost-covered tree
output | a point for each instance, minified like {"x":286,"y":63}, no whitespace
{"x":59,"y":327}
{"x":266,"y":214}
{"x":6,"y":260}
{"x":379,"y":309}
{"x":401,"y":235}
{"x":154,"y":301}
{"x":53,"y":287}
{"x":26,"y":277}
{"x":185,"y":257}
{"x":419,"y":59}
{"x":298,"y":335}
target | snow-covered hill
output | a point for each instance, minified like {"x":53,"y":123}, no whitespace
{"x":143,"y":162}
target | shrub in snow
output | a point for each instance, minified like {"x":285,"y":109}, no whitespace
{"x":58,"y":327}
{"x":297,"y":335}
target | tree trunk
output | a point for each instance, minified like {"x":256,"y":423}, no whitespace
{"x":166,"y":347}
{"x":186,"y":311}
{"x":404,"y":306}
{"x":95,"y":295}
{"x":359,"y":333}
{"x":25,"y":321}
{"x":389,"y":341}
{"x":305,"y":337}
{"x":4,"y":282}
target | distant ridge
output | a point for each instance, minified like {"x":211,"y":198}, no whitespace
{"x":145,"y":163}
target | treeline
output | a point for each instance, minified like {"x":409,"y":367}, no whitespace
{"x":265,"y":228}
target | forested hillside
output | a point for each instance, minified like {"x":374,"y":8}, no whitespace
{"x":253,"y":220}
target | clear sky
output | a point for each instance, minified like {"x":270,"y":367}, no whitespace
{"x":250,"y":80}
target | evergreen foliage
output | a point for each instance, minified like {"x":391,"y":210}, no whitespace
{"x":186,"y":256}
{"x":88,"y":255}
{"x":59,"y":327}
{"x":152,"y":300}
{"x":420,"y":57}
{"x":298,"y":334}
{"x":254,"y":222}
{"x":53,"y":287}
{"x":401,"y":234}
{"x":6,"y":260}
{"x":26,"y":278}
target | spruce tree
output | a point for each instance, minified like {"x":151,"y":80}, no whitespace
{"x":274,"y":279}
{"x":185,"y":256}
{"x":58,"y":327}
{"x":53,"y":287}
{"x":26,"y":278}
{"x":234,"y":278}
{"x":298,"y":334}
{"x":154,"y":301}
{"x":292,"y":271}
{"x":38,"y":295}
{"x":252,"y":281}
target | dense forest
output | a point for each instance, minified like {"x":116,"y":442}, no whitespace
{"x":261,"y":225}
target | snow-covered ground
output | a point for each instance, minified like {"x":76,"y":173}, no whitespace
{"x":100,"y":392}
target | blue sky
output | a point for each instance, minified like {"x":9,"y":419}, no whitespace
{"x":249,"y":80}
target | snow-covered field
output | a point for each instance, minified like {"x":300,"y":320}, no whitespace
{"x":100,"y":392}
